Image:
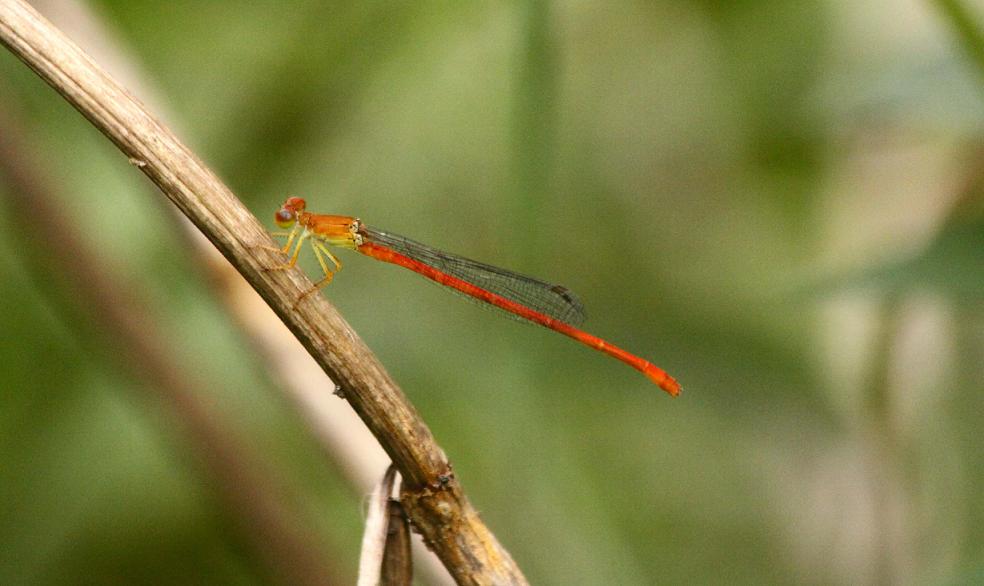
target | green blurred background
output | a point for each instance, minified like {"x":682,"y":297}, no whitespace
{"x":778,"y":202}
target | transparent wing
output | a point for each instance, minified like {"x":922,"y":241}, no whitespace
{"x":556,"y":301}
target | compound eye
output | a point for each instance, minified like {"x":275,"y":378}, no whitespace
{"x":295,"y":203}
{"x":285,"y":217}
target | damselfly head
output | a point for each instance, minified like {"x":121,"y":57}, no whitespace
{"x":287,"y":214}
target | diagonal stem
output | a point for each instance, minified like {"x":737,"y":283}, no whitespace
{"x":433,"y":497}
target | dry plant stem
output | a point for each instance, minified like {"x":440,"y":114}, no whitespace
{"x":374,"y":535}
{"x":228,"y":225}
{"x":341,"y":434}
{"x":239,"y":479}
{"x":385,"y":557}
{"x":397,"y":567}
{"x":432,"y":496}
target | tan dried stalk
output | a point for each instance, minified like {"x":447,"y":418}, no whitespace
{"x":431,"y":494}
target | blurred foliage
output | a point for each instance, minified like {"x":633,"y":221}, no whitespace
{"x":745,"y":192}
